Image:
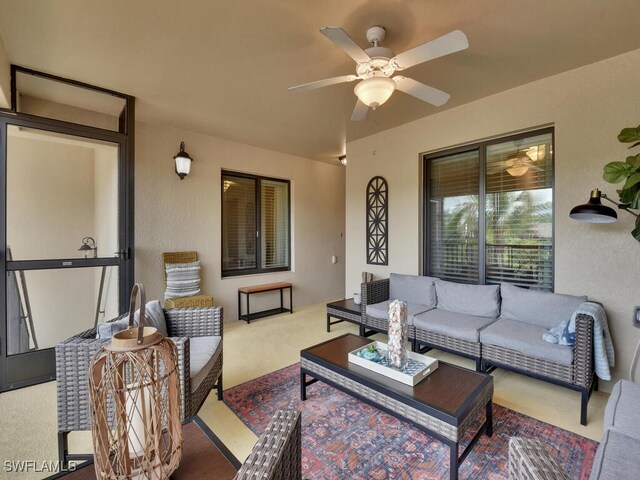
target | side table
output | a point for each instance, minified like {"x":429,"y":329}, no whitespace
{"x":344,"y":310}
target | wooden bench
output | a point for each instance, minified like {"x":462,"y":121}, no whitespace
{"x":267,"y":287}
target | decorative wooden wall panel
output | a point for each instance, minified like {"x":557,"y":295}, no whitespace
{"x":377,"y":218}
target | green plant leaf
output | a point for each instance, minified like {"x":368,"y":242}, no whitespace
{"x":615,"y":172}
{"x":635,"y":145}
{"x":636,"y":233}
{"x":632,"y":180}
{"x":635,"y":197}
{"x":634,"y":160}
{"x":628,"y":194}
{"x":628,"y":135}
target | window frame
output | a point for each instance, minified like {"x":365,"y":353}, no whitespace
{"x":481,"y":147}
{"x":258,"y":211}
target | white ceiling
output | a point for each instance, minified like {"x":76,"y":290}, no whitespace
{"x":222,"y":67}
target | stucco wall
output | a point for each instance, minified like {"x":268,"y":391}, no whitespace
{"x":175,"y":215}
{"x":587,"y":107}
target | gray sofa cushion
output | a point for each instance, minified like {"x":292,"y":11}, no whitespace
{"x":622,"y":412}
{"x":381,"y":310}
{"x":616,"y":457}
{"x":203,"y":352}
{"x":457,"y":325}
{"x":545,"y":309}
{"x":525,"y":338}
{"x":478,"y":300}
{"x":412,"y":289}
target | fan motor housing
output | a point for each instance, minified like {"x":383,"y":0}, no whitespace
{"x":376,"y":34}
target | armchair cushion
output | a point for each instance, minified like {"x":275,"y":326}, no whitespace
{"x":616,"y":457}
{"x":527,"y":339}
{"x":622,"y":412}
{"x":381,"y":310}
{"x":203,"y":352}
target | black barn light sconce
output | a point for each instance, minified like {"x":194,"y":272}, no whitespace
{"x":88,"y":245}
{"x":594,"y":212}
{"x":343,"y":160}
{"x":183,"y":162}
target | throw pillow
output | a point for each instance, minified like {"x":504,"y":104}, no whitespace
{"x":106,"y":330}
{"x":154,"y":315}
{"x":183,"y":279}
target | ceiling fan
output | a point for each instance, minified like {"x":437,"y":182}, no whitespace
{"x":519,"y":163}
{"x":376,"y":65}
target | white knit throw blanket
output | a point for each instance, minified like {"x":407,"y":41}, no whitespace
{"x":603,"y":351}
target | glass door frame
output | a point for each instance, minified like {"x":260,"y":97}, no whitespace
{"x":39,"y":365}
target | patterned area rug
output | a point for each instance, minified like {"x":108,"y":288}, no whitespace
{"x":344,"y":438}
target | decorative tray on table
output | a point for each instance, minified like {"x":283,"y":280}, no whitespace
{"x":418,"y":366}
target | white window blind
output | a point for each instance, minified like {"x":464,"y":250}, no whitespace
{"x":519,"y":212}
{"x":453,"y":211}
{"x":274,"y":206}
{"x":238,"y":223}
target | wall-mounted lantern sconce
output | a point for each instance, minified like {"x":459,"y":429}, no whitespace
{"x":183,"y":162}
{"x":88,"y":245}
{"x":343,"y":160}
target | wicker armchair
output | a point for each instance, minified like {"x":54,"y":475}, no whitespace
{"x":277,"y":454}
{"x":195,"y":301}
{"x":74,"y":356}
{"x":530,"y":460}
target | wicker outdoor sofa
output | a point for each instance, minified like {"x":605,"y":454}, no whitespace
{"x":74,"y":356}
{"x":467,"y":320}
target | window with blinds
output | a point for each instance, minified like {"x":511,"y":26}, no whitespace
{"x":519,"y":212}
{"x":453,"y":217}
{"x":489,"y":217}
{"x":255,"y":224}
{"x":274,"y":207}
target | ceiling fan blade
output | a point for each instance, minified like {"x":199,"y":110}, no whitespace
{"x":450,"y":43}
{"x":420,"y":90}
{"x":323,"y":83}
{"x":359,"y":112}
{"x":346,"y":43}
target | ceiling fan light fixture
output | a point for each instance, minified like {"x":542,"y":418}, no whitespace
{"x":536,"y":153}
{"x":374,"y":91}
{"x":517,"y":170}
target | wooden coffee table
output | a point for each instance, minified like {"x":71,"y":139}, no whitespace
{"x":445,"y":405}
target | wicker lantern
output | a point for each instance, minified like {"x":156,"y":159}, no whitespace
{"x":135,"y":403}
